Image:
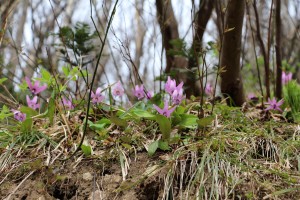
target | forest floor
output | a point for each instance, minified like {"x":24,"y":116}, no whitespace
{"x":237,"y":153}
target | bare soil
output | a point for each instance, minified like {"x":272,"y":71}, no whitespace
{"x":84,"y":179}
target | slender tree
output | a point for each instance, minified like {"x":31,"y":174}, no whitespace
{"x":202,"y":18}
{"x":278,"y":90}
{"x":169,"y":30}
{"x":231,"y":80}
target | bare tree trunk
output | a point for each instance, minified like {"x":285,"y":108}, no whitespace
{"x":139,"y":35}
{"x":203,"y":15}
{"x":265,"y":53}
{"x":169,"y":30}
{"x":278,"y":91}
{"x":5,"y":10}
{"x":18,"y":37}
{"x":231,"y":80}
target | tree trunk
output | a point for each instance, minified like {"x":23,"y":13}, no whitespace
{"x":278,"y":91}
{"x":169,"y":30}
{"x":231,"y":80}
{"x":203,"y":15}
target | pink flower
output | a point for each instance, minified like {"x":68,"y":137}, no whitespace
{"x":97,"y":97}
{"x":35,"y":89}
{"x":251,"y":96}
{"x":165,"y":111}
{"x":139,"y":92}
{"x":118,"y":90}
{"x":67,"y":103}
{"x":286,"y":77}
{"x":149,"y":95}
{"x":170,"y":86}
{"x":32,"y":103}
{"x":209,"y":90}
{"x":177,"y":96}
{"x":274,"y":105}
{"x":18,"y":115}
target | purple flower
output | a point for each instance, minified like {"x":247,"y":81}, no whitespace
{"x":165,"y":111}
{"x":32,"y":103}
{"x":97,"y":97}
{"x":18,"y":115}
{"x":274,"y":105}
{"x":118,"y":90}
{"x":149,"y":95}
{"x":35,"y":89}
{"x":177,"y":96}
{"x":67,"y":103}
{"x":251,"y":96}
{"x":170,"y":86}
{"x":139,"y":92}
{"x":209,"y":90}
{"x":286,"y":77}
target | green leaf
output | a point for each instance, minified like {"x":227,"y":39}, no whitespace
{"x":66,"y":71}
{"x":51,"y":108}
{"x":26,"y":125}
{"x":119,"y":122}
{"x":28,"y":111}
{"x":2,"y":80}
{"x":125,"y":139}
{"x":143,"y":114}
{"x":163,"y":145}
{"x":46,"y":76}
{"x":127,"y":146}
{"x":86,"y":149}
{"x":99,"y":125}
{"x":152,"y":148}
{"x":203,"y":122}
{"x":164,"y":126}
{"x":188,"y":121}
{"x":5,"y":112}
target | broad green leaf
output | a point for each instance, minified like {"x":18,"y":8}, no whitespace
{"x":143,"y":114}
{"x":127,"y":146}
{"x":163,"y":145}
{"x":74,"y":71}
{"x":46,"y":76}
{"x":66,"y":71}
{"x":152,"y":148}
{"x":86,"y":149}
{"x":99,"y":125}
{"x":103,"y":121}
{"x":26,"y":125}
{"x":125,"y":139}
{"x":203,"y":122}
{"x":119,"y":122}
{"x":2,"y":80}
{"x":28,"y":111}
{"x":180,"y":110}
{"x":164,"y":126}
{"x":188,"y":121}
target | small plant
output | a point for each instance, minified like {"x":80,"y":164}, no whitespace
{"x":292,"y":97}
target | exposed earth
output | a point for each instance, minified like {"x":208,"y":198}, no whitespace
{"x":82,"y":179}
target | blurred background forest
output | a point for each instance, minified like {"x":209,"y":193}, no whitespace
{"x":150,"y":38}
